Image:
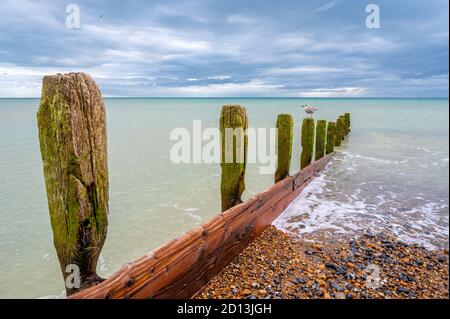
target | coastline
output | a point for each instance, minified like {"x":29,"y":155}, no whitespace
{"x":277,"y":265}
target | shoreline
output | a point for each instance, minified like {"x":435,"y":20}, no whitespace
{"x":277,"y":265}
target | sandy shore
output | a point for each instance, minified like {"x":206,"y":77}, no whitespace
{"x":277,"y":265}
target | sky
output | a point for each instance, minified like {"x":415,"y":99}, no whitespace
{"x":319,"y":48}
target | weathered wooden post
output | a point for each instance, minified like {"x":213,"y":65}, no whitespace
{"x":233,"y":126}
{"x":72,"y":135}
{"x":307,"y":142}
{"x":339,"y":132}
{"x":320,"y":139}
{"x":331,"y":132}
{"x":285,"y":127}
{"x":344,"y":126}
{"x":348,"y":122}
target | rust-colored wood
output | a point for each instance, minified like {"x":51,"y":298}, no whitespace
{"x":306,"y":175}
{"x":182,"y":267}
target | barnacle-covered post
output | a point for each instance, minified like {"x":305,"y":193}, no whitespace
{"x":233,"y":126}
{"x":331,"y":132}
{"x":339,"y":132}
{"x":307,"y":142}
{"x":72,"y":135}
{"x":285,"y":126}
{"x":320,"y":139}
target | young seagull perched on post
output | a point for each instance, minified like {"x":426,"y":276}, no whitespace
{"x":309,"y":109}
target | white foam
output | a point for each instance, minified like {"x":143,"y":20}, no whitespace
{"x":189,"y":212}
{"x":381,"y":161}
{"x":62,"y":295}
{"x":331,"y":203}
{"x":102,"y":263}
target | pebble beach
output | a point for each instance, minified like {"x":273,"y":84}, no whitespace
{"x":279,"y":266}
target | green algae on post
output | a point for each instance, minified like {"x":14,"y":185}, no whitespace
{"x":331,"y":131}
{"x":307,"y":142}
{"x":320,"y":139}
{"x":339,"y":132}
{"x":347,"y":120}
{"x":233,"y":126}
{"x":285,"y":126}
{"x":344,"y":126}
{"x":72,"y":135}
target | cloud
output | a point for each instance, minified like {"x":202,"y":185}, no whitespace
{"x":327,"y":6}
{"x":334,"y":92}
{"x":225,"y":48}
{"x":365,"y":44}
{"x":302,"y":70}
{"x":241,"y":19}
{"x":251,"y":88}
{"x":148,"y":37}
{"x":219,"y":77}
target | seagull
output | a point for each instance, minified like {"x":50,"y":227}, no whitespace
{"x":309,"y":109}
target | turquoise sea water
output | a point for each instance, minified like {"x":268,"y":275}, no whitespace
{"x":392,"y":174}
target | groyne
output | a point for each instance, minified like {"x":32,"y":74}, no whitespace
{"x":72,"y":132}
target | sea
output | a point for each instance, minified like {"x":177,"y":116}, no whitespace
{"x":390,"y":175}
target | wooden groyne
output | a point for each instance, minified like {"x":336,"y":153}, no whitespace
{"x":73,"y":146}
{"x":182,"y":267}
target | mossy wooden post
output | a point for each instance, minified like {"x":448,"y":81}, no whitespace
{"x":72,"y":135}
{"x":344,"y":126}
{"x":321,"y":131}
{"x":348,"y":123}
{"x":331,"y":132}
{"x":233,"y":126}
{"x":307,"y":142}
{"x":285,"y":127}
{"x":339,"y":132}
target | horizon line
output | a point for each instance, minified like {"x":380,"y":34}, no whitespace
{"x":245,"y":97}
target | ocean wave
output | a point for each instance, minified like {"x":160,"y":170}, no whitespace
{"x":379,"y":160}
{"x":190,"y":212}
{"x":323,"y":205}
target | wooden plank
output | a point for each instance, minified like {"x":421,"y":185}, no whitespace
{"x":306,"y":175}
{"x":183,"y":266}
